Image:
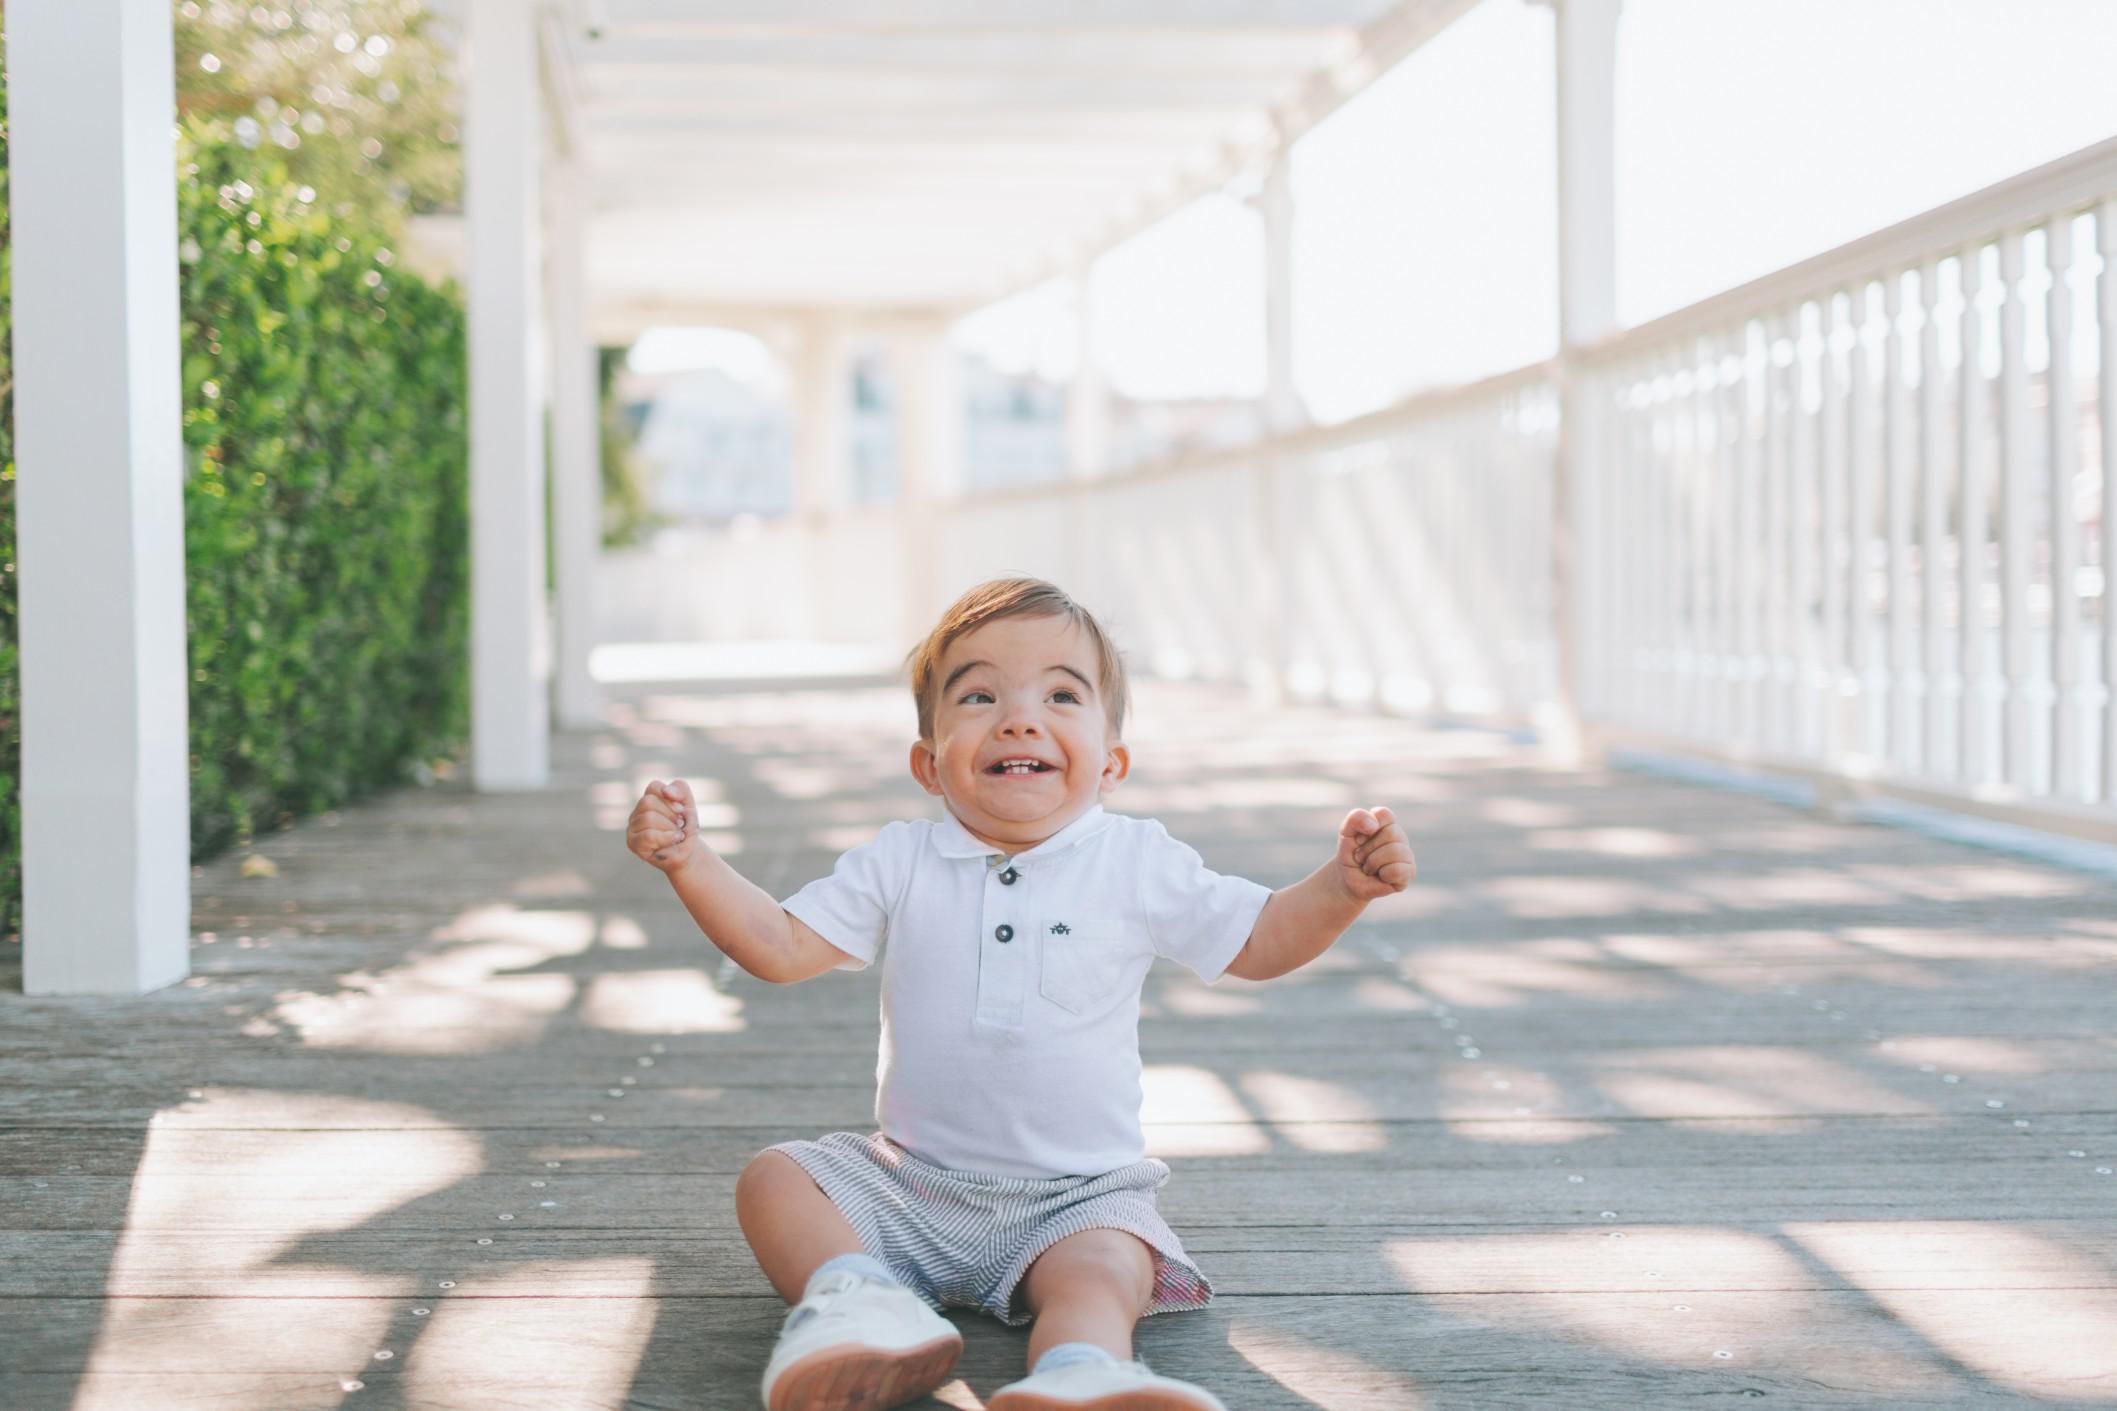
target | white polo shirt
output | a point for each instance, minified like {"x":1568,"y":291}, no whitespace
{"x":1010,"y":985}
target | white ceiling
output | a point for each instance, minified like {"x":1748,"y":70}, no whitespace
{"x":915,"y":155}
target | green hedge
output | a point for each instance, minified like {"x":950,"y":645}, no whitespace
{"x":326,"y":526}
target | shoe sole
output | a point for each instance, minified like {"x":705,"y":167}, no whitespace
{"x":855,"y":1377}
{"x":1131,"y":1399}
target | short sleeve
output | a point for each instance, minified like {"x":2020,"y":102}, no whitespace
{"x":1194,"y":914}
{"x":850,"y":908}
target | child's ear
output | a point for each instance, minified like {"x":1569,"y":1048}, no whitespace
{"x":923,"y":766}
{"x":1116,"y":765}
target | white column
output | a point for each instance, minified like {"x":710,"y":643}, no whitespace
{"x":823,"y":468}
{"x":576,"y":445}
{"x":929,"y":441}
{"x":1587,"y":293}
{"x":502,"y":154}
{"x":823,"y":421}
{"x":1283,"y":410}
{"x":99,"y":534}
{"x":1088,"y":399}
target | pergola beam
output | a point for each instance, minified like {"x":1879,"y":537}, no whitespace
{"x":711,"y":17}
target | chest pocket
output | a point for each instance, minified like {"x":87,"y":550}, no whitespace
{"x":1086,"y":964}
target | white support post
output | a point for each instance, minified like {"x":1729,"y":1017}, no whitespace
{"x":823,"y":468}
{"x":1283,"y":410}
{"x":576,"y":460}
{"x":929,"y":439}
{"x":1088,"y":399}
{"x":502,"y":154}
{"x":99,"y":533}
{"x":1587,"y":292}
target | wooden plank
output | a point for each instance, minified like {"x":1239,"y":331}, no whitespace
{"x":1941,"y":1348}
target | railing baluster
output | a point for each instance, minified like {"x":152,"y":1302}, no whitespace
{"x":2068,"y":779}
{"x":1970,"y":535}
{"x":1755,"y":539}
{"x":2106,"y":246}
{"x":1807,"y":533}
{"x":1781,"y":428}
{"x":1859,"y":529}
{"x":2018,"y":768}
{"x":1675,"y":471}
{"x":1896,"y":443}
{"x":1933,"y":527}
{"x":1834,"y":391}
{"x":1703,"y":474}
{"x":1727,"y":514}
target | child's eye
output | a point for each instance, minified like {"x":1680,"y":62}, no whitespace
{"x":968,"y":696}
{"x":1066,"y":693}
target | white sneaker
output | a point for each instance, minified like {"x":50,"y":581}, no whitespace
{"x":1103,"y":1386}
{"x":856,"y":1345}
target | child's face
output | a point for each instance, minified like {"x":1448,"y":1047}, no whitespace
{"x":1020,"y":690}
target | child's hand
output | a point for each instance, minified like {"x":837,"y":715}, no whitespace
{"x":660,"y":831}
{"x":1374,"y":857}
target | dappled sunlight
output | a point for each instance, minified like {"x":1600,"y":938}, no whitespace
{"x":1743,"y":1081}
{"x":1228,"y":998}
{"x":500,"y":1012}
{"x":677,"y":1001}
{"x":1760,"y":890}
{"x":572,"y":1351}
{"x":1614,"y":842}
{"x":1975,"y":880}
{"x":1315,"y":1115}
{"x":1939,"y":943}
{"x":1190,"y":1111}
{"x":1556,"y":896}
{"x":1487,"y":1102}
{"x":1698,"y":1300}
{"x":202,"y":1219}
{"x":552,"y":886}
{"x":1199,"y":794}
{"x":1961,"y":1054}
{"x":1525,"y":813}
{"x":2028,"y":1312}
{"x":1652,"y":1258}
{"x":1374,"y":992}
{"x":521,"y":937}
{"x":1322,"y":1374}
{"x":1501,"y":976}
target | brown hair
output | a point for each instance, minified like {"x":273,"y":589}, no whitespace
{"x":1012,"y":597}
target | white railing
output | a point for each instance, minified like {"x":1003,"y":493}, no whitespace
{"x":1855,"y":516}
{"x":1854,"y":519}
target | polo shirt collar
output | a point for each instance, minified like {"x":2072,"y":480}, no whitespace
{"x":952,"y":839}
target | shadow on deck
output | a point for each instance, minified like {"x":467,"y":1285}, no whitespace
{"x":1646,"y":1094}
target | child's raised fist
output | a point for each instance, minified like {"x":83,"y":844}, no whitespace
{"x":660,"y":830}
{"x":1374,"y":856}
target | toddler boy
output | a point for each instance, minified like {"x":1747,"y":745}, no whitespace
{"x":1010,"y":1172}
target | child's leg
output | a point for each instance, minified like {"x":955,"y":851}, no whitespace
{"x":792,"y":1226}
{"x":1090,"y":1287}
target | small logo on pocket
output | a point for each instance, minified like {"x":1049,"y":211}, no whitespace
{"x":1060,"y":928}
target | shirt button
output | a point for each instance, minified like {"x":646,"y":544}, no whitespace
{"x":1009,"y":877}
{"x":1004,"y":934}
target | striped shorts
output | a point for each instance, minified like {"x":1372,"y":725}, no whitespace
{"x":960,"y":1239}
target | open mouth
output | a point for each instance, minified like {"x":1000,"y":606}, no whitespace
{"x":1019,"y":766}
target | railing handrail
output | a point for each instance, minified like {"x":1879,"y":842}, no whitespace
{"x":2076,"y":181}
{"x":1306,"y":440}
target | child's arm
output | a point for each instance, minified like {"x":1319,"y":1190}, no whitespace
{"x":734,"y":913}
{"x":1299,"y":922}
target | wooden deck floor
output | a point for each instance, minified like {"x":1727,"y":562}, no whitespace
{"x":1646,"y":1095}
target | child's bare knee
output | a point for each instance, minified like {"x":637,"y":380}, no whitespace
{"x":1109,"y":1263}
{"x":763,"y":1179}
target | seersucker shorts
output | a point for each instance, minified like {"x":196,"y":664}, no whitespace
{"x":960,"y":1239}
